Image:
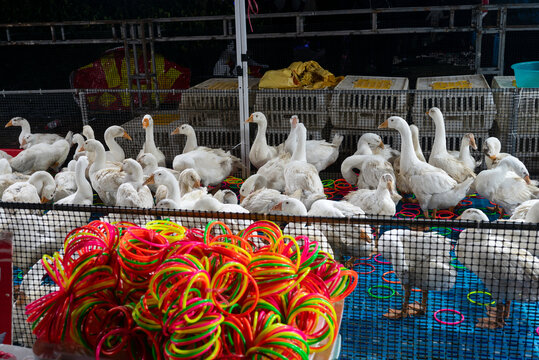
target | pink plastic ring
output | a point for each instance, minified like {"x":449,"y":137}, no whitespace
{"x":446,"y":322}
{"x":381,"y":262}
{"x":365,"y":264}
{"x":537,"y":330}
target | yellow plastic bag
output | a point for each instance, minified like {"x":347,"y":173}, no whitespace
{"x":279,"y":79}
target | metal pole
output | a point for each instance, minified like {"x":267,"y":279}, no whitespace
{"x":83,"y":108}
{"x":243,"y":88}
{"x":513,"y":122}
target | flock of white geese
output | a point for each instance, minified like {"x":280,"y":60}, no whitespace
{"x":288,"y":182}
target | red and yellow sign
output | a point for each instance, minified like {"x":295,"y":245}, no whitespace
{"x":110,"y":72}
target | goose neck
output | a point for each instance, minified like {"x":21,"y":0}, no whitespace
{"x":113,"y":146}
{"x":260,"y":138}
{"x":84,"y":189}
{"x":464,"y":150}
{"x":300,"y":152}
{"x":408,"y":156}
{"x":149,"y":143}
{"x":100,"y":158}
{"x":439,"y":145}
{"x":191,"y":142}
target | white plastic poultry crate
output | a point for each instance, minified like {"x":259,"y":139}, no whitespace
{"x":527,"y":106}
{"x":279,"y":105}
{"x":470,"y":109}
{"x":527,"y":150}
{"x":366,"y":108}
{"x":213,"y":102}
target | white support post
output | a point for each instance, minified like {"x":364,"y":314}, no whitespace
{"x":243,"y":88}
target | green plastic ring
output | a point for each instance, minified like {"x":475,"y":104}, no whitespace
{"x":478,"y":303}
{"x":379,"y":296}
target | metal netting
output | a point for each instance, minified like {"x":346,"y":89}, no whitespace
{"x":478,"y":280}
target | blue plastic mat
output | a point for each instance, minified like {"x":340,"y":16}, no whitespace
{"x":366,"y":334}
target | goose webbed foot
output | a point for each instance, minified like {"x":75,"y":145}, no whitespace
{"x":490,"y":323}
{"x":417,"y":309}
{"x":395,"y":314}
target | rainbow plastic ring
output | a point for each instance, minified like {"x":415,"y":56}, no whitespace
{"x":406,"y":214}
{"x":447,"y":322}
{"x":328,"y":183}
{"x":369,"y":290}
{"x":478,"y":303}
{"x":446,"y":231}
{"x":445,"y":214}
{"x":365,"y":264}
{"x":456,"y":266}
{"x":389,"y":281}
{"x":381,"y":262}
{"x":365,"y":259}
{"x":465,"y":202}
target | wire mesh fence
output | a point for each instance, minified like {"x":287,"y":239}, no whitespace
{"x":426,"y":288}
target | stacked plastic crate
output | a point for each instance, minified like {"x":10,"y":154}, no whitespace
{"x":361,"y":103}
{"x":522,"y":106}
{"x":466,"y":102}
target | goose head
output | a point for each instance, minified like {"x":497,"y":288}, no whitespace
{"x":27,"y":141}
{"x":386,"y":181}
{"x":83,"y":161}
{"x":189,"y":180}
{"x":147,"y":121}
{"x":473,"y":214}
{"x":16,"y":121}
{"x":517,"y":166}
{"x":292,"y":207}
{"x":294,"y":120}
{"x":161,"y":177}
{"x":226,"y":196}
{"x":77,"y":139}
{"x":92,"y":145}
{"x":373,"y":141}
{"x":148,"y":162}
{"x":167,"y":204}
{"x":207,"y":203}
{"x":88,"y":132}
{"x":394,"y":122}
{"x":469,"y":139}
{"x":251,"y":184}
{"x":436,"y":114}
{"x":44,"y":184}
{"x":117,"y":131}
{"x":133,"y":169}
{"x":492,"y":147}
{"x":184,"y":129}
{"x":257,"y":117}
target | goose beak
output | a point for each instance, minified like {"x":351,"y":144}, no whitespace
{"x":176,"y":131}
{"x":527,"y":179}
{"x":250,"y":119}
{"x":23,"y":143}
{"x":383,"y":125}
{"x":278,"y":207}
{"x":44,"y":199}
{"x":427,"y":113}
{"x":10,"y":123}
{"x":364,"y":236}
{"x":197,"y":184}
{"x":390,"y":186}
{"x":294,"y":122}
{"x":145,"y":123}
{"x":492,"y":157}
{"x":126,"y":136}
{"x":381,"y":145}
{"x":149,"y":180}
{"x":82,"y":149}
{"x":241,"y":198}
{"x":472,"y":142}
{"x":458,"y":217}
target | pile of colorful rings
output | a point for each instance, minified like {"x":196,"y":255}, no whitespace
{"x":337,"y":189}
{"x":166,"y":292}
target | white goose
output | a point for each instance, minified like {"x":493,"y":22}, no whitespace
{"x":8,"y":177}
{"x":521,"y":211}
{"x":298,"y":173}
{"x":65,"y":181}
{"x":83,"y":194}
{"x":149,"y":143}
{"x":507,"y":185}
{"x":132,"y":193}
{"x":25,"y":130}
{"x":213,"y":165}
{"x":191,"y":137}
{"x":464,"y":153}
{"x":320,"y":153}
{"x":261,"y":152}
{"x":491,"y":148}
{"x":183,"y":194}
{"x":402,"y":183}
{"x":41,"y":157}
{"x":39,"y":188}
{"x":439,"y":156}
{"x":226,"y":196}
{"x":370,"y":143}
{"x":79,"y":140}
{"x":105,"y":179}
{"x":88,"y":133}
{"x":375,"y":202}
{"x":371,"y":168}
{"x":273,"y":171}
{"x":420,"y":260}
{"x":256,"y":197}
{"x":433,"y":188}
{"x":149,"y":166}
{"x":115,"y":152}
{"x":509,"y":273}
{"x":162,"y":177}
